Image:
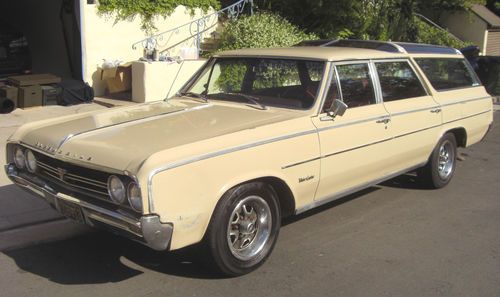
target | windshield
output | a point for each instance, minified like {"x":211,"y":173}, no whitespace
{"x":285,"y":83}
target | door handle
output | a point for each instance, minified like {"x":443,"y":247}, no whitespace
{"x":437,"y":110}
{"x":383,"y":121}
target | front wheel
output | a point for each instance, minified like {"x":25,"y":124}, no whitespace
{"x":244,"y":228}
{"x":441,"y":166}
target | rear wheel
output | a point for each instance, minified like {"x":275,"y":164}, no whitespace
{"x":438,"y":172}
{"x":244,"y":228}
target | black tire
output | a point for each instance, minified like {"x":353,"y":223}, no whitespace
{"x":433,"y":174}
{"x":223,"y":255}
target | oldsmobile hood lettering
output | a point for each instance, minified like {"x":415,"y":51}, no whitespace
{"x":140,"y":131}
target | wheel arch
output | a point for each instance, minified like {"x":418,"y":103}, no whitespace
{"x":286,"y":198}
{"x":285,"y":195}
{"x":460,"y":135}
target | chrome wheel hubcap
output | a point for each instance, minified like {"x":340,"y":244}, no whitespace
{"x":446,"y":160}
{"x":249,"y":227}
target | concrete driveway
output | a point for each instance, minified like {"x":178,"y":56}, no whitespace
{"x":395,"y":239}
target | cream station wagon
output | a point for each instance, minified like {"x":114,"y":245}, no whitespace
{"x":254,"y":136}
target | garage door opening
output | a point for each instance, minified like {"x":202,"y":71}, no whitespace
{"x":40,"y":37}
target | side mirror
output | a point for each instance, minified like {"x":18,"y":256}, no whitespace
{"x":338,"y":108}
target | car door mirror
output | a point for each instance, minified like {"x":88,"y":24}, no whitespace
{"x":338,"y":108}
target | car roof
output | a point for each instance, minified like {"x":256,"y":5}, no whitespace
{"x":336,"y":53}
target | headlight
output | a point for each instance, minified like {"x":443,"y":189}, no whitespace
{"x":134,"y":196}
{"x":116,"y":189}
{"x":30,"y":161}
{"x":19,"y":158}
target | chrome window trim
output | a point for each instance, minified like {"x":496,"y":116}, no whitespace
{"x":472,"y":73}
{"x":412,"y":66}
{"x":376,"y":83}
{"x":331,"y":70}
{"x":370,"y":72}
{"x":322,"y":87}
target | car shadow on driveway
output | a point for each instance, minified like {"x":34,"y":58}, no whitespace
{"x":408,"y":181}
{"x":101,"y":257}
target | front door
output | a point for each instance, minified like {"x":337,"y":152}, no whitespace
{"x":355,"y":146}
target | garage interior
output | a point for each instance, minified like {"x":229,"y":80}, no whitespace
{"x":51,"y":28}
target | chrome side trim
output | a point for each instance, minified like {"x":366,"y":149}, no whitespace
{"x":353,"y":123}
{"x":355,"y":148}
{"x":271,"y":140}
{"x":377,"y":142}
{"x":355,"y":189}
{"x":466,"y":100}
{"x":300,"y":163}
{"x":416,"y":131}
{"x":473,"y":115}
{"x":212,"y":155}
{"x":413,"y":111}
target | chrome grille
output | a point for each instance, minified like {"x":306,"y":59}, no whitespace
{"x":74,"y":180}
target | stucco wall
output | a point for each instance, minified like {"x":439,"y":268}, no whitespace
{"x":466,"y":26}
{"x":105,"y":39}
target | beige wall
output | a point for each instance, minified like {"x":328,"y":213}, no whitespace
{"x":159,"y":80}
{"x":466,"y":26}
{"x":103,"y":39}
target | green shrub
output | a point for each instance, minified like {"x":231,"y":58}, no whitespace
{"x":432,"y":35}
{"x":148,"y":9}
{"x":261,"y":30}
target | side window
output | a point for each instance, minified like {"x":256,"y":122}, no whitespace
{"x":333,"y":92}
{"x":398,"y":81}
{"x":356,"y":85}
{"x":445,"y":74}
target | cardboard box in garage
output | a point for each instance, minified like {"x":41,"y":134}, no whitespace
{"x":9,"y":92}
{"x":33,"y":79}
{"x":51,"y":95}
{"x":30,"y":96}
{"x":118,"y":79}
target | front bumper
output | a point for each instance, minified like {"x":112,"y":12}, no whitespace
{"x":147,"y":230}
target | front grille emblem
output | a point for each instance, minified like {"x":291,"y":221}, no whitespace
{"x":62,"y":173}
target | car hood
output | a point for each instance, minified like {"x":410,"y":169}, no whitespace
{"x":122,"y":138}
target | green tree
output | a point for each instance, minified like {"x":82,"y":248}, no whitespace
{"x":364,"y":19}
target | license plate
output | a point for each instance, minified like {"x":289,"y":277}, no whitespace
{"x":71,"y":211}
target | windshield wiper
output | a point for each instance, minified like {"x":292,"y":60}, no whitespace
{"x":195,"y":95}
{"x":250,"y":98}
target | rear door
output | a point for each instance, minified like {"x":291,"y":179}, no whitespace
{"x":415,"y":116}
{"x":355,"y":146}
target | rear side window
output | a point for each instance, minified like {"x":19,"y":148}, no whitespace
{"x":398,"y":81}
{"x":446,"y":74}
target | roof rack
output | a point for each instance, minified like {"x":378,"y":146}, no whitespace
{"x":386,"y":46}
{"x":421,"y":48}
{"x":367,"y":44}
